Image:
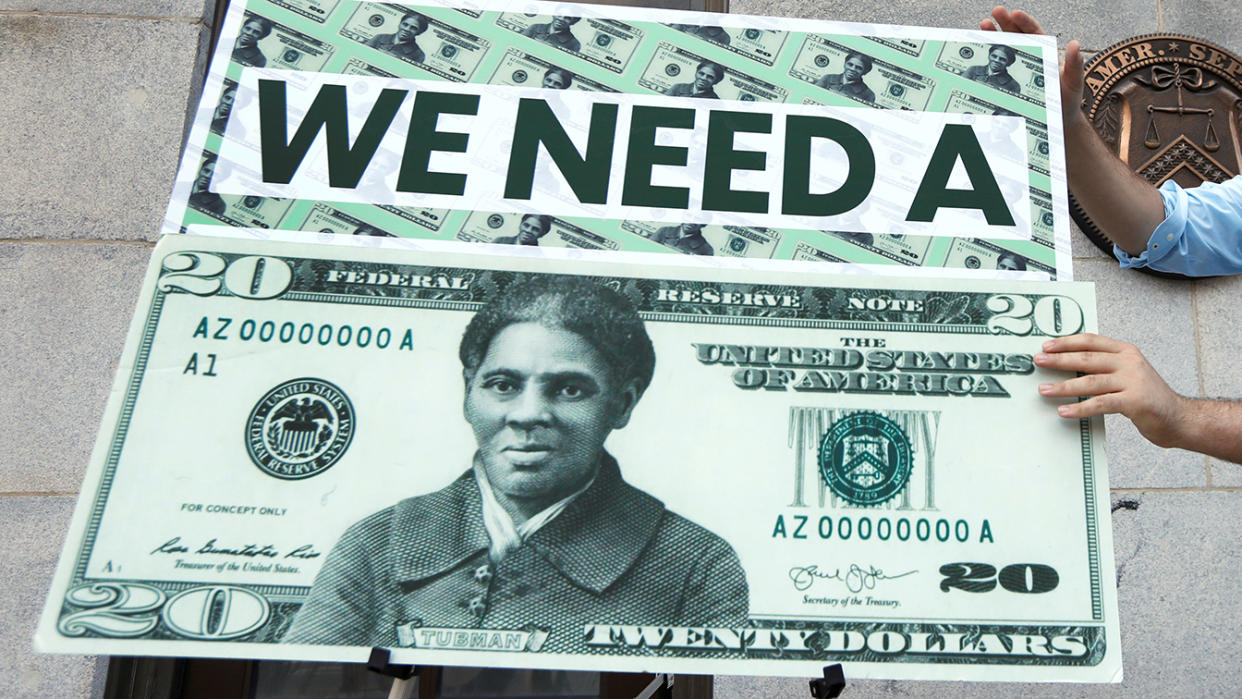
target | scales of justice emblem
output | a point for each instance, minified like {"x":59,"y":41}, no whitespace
{"x":1170,"y":106}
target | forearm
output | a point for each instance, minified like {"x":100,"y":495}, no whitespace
{"x":1125,"y":207}
{"x":1212,"y":427}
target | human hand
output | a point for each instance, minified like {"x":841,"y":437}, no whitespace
{"x":1019,"y":22}
{"x":1120,"y":380}
{"x":1014,"y":21}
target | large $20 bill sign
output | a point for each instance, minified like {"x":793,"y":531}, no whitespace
{"x":820,"y":469}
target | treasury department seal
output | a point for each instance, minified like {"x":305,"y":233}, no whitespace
{"x":1170,"y":107}
{"x":865,"y":458}
{"x":299,"y":428}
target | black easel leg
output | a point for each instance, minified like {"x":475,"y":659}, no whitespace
{"x":832,"y":685}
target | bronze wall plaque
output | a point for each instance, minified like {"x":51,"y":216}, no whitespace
{"x":1170,"y":106}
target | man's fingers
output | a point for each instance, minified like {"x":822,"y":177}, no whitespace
{"x":1072,"y":73}
{"x":1025,"y":23}
{"x":1017,"y":22}
{"x":1001,"y":19}
{"x":1085,"y":342}
{"x":1099,"y":405}
{"x":1089,"y":385}
{"x":1085,"y":362}
{"x":1073,"y":59}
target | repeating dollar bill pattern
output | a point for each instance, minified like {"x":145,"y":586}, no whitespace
{"x":644,"y":51}
{"x":829,"y":468}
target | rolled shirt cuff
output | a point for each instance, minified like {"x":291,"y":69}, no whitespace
{"x":1165,"y":238}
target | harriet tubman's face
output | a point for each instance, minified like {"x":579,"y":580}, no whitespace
{"x":1009,"y":262}
{"x":997,"y":60}
{"x":226,"y":104}
{"x":408,"y":29}
{"x":554,"y":80}
{"x":854,"y":69}
{"x":541,"y":404}
{"x":204,"y":176}
{"x":250,"y":34}
{"x":704,"y":78}
{"x":530,"y":231}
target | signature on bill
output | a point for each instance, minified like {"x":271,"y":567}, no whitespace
{"x":176,"y":546}
{"x":856,"y":577}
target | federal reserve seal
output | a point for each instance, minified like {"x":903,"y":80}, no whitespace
{"x":299,"y":429}
{"x":865,"y":458}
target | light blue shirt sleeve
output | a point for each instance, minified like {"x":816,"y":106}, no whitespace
{"x":1201,"y":234}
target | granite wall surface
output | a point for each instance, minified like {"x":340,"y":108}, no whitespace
{"x":93,"y":104}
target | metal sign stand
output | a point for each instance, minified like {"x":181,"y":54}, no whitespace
{"x":661,"y":682}
{"x":405,"y":680}
{"x":404,"y":677}
{"x":831,"y":685}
